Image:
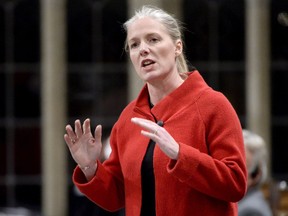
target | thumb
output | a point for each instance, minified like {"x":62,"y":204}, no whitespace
{"x":98,"y":133}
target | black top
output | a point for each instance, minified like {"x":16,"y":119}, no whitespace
{"x":148,"y":182}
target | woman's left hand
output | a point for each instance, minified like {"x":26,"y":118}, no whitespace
{"x":159,"y":135}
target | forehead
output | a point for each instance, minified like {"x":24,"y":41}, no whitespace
{"x":145,"y":26}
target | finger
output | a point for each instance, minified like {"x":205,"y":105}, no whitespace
{"x":70,"y":137}
{"x":151,"y":136}
{"x":78,"y":129}
{"x":157,"y":131}
{"x":140,"y":120}
{"x":146,"y":124}
{"x":98,"y":133}
{"x":86,"y":126}
{"x":68,"y":140}
{"x":70,"y":132}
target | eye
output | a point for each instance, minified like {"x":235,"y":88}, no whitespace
{"x":153,"y":40}
{"x":133,"y":45}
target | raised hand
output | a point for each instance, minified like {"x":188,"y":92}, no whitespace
{"x":159,"y":135}
{"x":85,"y":149}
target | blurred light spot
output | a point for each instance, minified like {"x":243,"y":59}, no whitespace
{"x":283,"y":18}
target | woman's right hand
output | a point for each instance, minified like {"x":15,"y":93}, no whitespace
{"x":85,"y":149}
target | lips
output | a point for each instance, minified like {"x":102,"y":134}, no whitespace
{"x":147,"y":62}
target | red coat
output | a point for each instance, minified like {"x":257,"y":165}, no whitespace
{"x":209,"y":176}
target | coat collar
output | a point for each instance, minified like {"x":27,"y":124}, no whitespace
{"x":180,"y":98}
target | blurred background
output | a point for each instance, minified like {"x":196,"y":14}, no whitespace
{"x":64,"y":60}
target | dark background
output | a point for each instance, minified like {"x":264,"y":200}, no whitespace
{"x":97,"y":78}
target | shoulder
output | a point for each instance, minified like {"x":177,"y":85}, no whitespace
{"x":254,"y":204}
{"x":213,"y":103}
{"x":214,"y":98}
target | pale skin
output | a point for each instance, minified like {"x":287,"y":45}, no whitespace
{"x":248,"y":164}
{"x":251,"y":181}
{"x":153,"y":54}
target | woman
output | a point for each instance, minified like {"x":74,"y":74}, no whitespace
{"x":177,"y":149}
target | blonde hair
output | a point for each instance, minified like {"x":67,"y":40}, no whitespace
{"x":172,"y":25}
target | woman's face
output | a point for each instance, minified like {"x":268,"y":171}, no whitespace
{"x":152,"y":51}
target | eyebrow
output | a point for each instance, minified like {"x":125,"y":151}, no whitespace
{"x":147,"y":35}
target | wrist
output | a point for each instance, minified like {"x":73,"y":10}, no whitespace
{"x":89,"y":170}
{"x":84,"y":168}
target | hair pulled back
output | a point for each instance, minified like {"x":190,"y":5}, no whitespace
{"x":172,"y":25}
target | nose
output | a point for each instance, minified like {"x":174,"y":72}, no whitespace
{"x":144,"y":50}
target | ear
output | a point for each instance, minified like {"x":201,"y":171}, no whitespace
{"x":178,"y":47}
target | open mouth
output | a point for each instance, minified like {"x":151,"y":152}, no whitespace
{"x":147,"y":62}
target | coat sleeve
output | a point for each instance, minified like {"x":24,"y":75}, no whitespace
{"x":221,"y":171}
{"x":107,"y":187}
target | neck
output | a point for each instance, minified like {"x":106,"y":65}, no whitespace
{"x":159,"y":90}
